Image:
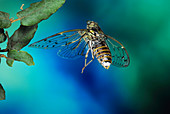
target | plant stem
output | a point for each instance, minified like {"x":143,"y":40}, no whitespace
{"x":4,"y":50}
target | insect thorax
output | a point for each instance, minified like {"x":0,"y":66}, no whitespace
{"x":95,"y":36}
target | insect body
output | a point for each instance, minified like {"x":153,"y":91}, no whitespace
{"x":79,"y":42}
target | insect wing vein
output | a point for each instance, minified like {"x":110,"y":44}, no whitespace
{"x":72,"y":51}
{"x":57,"y":40}
{"x":68,"y":42}
{"x":119,"y":53}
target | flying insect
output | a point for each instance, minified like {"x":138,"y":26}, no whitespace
{"x":79,"y":42}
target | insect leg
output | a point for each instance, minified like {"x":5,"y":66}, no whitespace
{"x":87,"y":63}
{"x":86,"y":56}
{"x":85,"y":59}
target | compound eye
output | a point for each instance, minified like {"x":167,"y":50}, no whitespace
{"x":88,"y":22}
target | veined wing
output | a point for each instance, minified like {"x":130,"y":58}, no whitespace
{"x":73,"y":50}
{"x":119,"y":53}
{"x":70,"y":43}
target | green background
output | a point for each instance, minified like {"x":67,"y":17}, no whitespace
{"x":55,"y":85}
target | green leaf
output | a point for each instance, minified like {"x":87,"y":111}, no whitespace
{"x":2,"y":36}
{"x":21,"y":37}
{"x":2,"y":93}
{"x":34,"y":4}
{"x":4,"y":20}
{"x":10,"y":62}
{"x":19,"y":56}
{"x":39,"y":11}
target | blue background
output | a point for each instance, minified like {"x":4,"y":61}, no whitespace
{"x":56,"y":86}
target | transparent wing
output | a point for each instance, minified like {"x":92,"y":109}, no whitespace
{"x":73,"y":50}
{"x":70,"y":43}
{"x":120,"y":56}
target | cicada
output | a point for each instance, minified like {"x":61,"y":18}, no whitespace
{"x":79,"y":42}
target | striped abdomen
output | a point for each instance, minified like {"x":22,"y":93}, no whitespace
{"x":102,"y":53}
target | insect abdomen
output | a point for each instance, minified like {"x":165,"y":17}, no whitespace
{"x":103,"y":55}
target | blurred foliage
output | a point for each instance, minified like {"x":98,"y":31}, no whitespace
{"x":2,"y":93}
{"x":30,"y":18}
{"x":39,"y":11}
{"x":4,"y":20}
